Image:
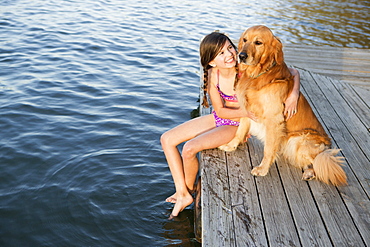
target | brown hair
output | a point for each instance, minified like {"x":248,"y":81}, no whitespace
{"x":210,"y":47}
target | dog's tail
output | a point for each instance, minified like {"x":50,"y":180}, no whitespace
{"x":328,"y":167}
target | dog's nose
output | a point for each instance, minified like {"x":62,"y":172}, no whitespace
{"x":243,"y":56}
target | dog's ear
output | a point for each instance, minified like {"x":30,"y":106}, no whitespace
{"x":278,"y":50}
{"x":241,"y":43}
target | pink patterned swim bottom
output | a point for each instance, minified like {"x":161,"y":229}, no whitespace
{"x":223,"y":121}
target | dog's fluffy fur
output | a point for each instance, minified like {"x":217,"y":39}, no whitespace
{"x":263,"y":87}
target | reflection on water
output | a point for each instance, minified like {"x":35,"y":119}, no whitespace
{"x":180,"y":230}
{"x":86,"y":90}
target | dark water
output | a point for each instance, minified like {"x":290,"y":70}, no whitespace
{"x":86,"y":89}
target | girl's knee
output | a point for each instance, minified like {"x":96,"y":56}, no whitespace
{"x":169,"y":139}
{"x":165,"y":139}
{"x":189,"y":151}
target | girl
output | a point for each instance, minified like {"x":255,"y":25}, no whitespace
{"x":219,"y":61}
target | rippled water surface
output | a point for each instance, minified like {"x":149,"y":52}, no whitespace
{"x":86,"y":89}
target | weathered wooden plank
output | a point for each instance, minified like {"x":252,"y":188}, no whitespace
{"x":363,"y":92}
{"x":339,"y":223}
{"x":217,"y":219}
{"x":341,"y":75}
{"x":358,"y":205}
{"x":350,"y":120}
{"x":344,"y":126}
{"x":352,"y":66}
{"x":310,"y":227}
{"x":332,"y":53}
{"x":344,"y":64}
{"x":248,"y":221}
{"x":356,"y":99}
{"x":336,"y":62}
{"x":340,"y":218}
{"x":280,"y":227}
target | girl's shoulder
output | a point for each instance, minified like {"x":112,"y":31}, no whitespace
{"x":212,"y":76}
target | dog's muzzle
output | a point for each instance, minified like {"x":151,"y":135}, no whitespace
{"x":243,"y":57}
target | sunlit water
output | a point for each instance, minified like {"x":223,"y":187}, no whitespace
{"x":87,"y":88}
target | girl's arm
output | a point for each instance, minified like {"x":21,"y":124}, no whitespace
{"x":218,"y":104}
{"x":292,"y":100}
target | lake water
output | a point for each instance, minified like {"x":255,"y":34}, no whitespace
{"x":87,"y":88}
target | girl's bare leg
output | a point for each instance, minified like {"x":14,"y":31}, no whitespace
{"x":202,"y":135}
{"x":172,"y":138}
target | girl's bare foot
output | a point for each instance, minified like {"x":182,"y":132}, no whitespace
{"x":181,"y":203}
{"x":171,"y":199}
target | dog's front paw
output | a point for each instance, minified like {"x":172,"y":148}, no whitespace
{"x":227,"y":148}
{"x":259,"y":171}
{"x":231,"y":146}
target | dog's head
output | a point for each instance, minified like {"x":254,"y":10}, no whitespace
{"x":259,"y":47}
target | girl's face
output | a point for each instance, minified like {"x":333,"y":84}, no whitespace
{"x":226,"y":58}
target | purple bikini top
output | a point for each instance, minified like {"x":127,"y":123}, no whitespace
{"x":230,"y":98}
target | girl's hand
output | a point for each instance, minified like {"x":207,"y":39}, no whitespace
{"x":254,"y":118}
{"x":291,"y":102}
{"x":247,"y":137}
{"x":291,"y":105}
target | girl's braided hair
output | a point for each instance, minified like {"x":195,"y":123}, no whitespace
{"x":210,"y":47}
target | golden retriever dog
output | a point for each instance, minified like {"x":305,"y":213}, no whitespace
{"x":263,"y":87}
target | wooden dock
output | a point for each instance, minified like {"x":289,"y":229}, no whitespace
{"x":280,"y":209}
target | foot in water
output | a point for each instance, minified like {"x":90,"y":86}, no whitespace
{"x":181,"y":204}
{"x":172,"y":199}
